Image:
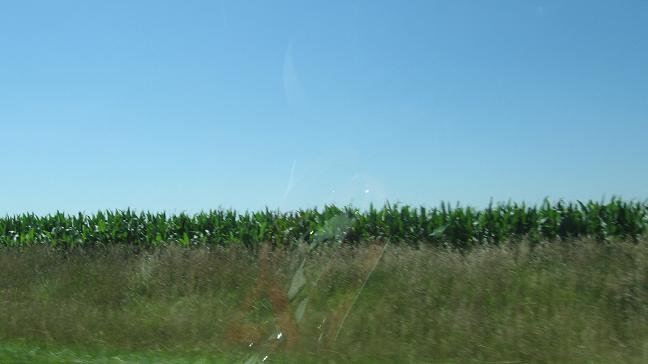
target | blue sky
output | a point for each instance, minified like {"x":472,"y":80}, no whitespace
{"x":191,"y":105}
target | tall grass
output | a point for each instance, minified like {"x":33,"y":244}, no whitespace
{"x":573,"y":302}
{"x":458,"y":227}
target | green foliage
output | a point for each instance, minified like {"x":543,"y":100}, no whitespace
{"x":575,"y":302}
{"x":456,"y":227}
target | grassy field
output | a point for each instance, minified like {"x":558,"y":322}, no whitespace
{"x":571,"y":301}
{"x":20,"y":352}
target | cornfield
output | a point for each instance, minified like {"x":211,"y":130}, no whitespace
{"x":455,"y":227}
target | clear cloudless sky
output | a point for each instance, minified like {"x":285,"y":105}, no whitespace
{"x":193,"y":105}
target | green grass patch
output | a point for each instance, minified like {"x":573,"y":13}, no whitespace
{"x":20,"y":352}
{"x":575,"y":301}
